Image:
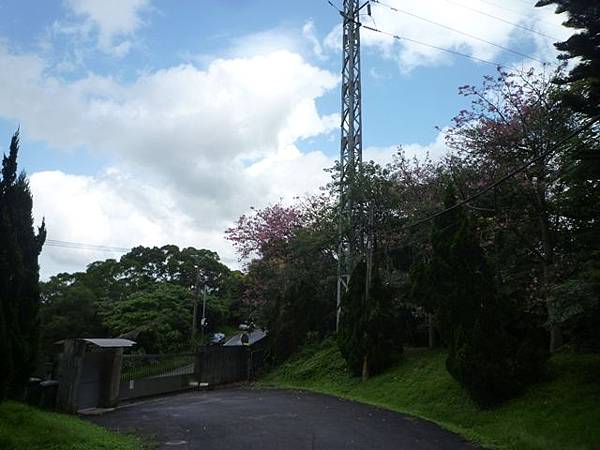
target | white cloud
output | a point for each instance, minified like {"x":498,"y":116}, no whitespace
{"x":383,"y":155}
{"x":194,"y":148}
{"x":309,"y":32}
{"x":126,"y":209}
{"x":303,"y":41}
{"x":112,"y":209}
{"x":463,"y":18}
{"x":114,"y":22}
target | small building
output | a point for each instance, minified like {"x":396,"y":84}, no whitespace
{"x":89,"y":373}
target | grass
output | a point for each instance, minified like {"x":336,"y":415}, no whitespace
{"x":562,"y":412}
{"x":26,"y":428}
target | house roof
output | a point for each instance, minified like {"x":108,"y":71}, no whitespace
{"x":253,"y":336}
{"x":109,"y":343}
{"x":104,"y":342}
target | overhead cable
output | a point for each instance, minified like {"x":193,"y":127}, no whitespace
{"x":509,"y":175}
{"x":424,"y":44}
{"x":464,"y":33}
{"x":517,"y":25}
{"x":83,"y":246}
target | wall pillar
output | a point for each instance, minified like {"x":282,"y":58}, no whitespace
{"x":70,"y":375}
{"x":113,"y":379}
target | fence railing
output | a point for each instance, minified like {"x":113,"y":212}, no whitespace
{"x":135,"y":367}
{"x":147,"y":375}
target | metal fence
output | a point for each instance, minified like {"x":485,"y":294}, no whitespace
{"x":146,"y":366}
{"x":146,"y":375}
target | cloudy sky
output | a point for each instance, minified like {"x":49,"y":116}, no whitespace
{"x":153,"y":121}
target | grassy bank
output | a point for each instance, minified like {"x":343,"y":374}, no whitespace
{"x":25,"y":428}
{"x":562,"y":412}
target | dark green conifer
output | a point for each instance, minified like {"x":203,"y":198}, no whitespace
{"x":584,"y":44}
{"x":494,"y":348}
{"x":20,"y":247}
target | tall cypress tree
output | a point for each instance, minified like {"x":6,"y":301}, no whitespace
{"x":20,"y":247}
{"x":494,"y":351}
{"x":584,"y":18}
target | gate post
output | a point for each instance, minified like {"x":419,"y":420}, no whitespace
{"x":199,"y":364}
{"x":113,"y":381}
{"x":70,"y":375}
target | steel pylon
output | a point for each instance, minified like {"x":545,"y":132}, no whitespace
{"x":351,"y":146}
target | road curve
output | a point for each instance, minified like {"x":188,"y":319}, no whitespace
{"x":270,"y":419}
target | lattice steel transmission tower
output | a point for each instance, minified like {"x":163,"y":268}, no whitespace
{"x":351,"y":144}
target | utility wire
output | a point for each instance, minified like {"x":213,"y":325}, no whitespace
{"x":483,"y":13}
{"x":83,"y":246}
{"x":518,"y":13}
{"x":464,"y":33}
{"x":509,"y":175}
{"x":447,"y":50}
{"x":414,"y":41}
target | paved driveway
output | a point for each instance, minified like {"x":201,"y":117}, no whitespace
{"x":253,"y":419}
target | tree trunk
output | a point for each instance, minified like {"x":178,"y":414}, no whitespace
{"x":556,"y":338}
{"x":365,"y":369}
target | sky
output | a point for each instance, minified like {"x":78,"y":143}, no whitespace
{"x":154,"y":122}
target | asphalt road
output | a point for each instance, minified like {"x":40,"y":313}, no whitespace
{"x":253,"y":419}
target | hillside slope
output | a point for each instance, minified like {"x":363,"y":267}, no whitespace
{"x":25,"y":428}
{"x":562,"y":412}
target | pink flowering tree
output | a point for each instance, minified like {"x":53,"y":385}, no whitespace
{"x":263,"y":230}
{"x":516,"y":118}
{"x":260,"y":238}
{"x":289,"y":285}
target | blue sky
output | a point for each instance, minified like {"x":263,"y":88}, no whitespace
{"x":153,"y":121}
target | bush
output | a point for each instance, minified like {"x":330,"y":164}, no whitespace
{"x":576,"y":307}
{"x":495,"y":349}
{"x":499,"y":355}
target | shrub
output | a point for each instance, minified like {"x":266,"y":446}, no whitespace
{"x":368,"y":337}
{"x":499,"y":355}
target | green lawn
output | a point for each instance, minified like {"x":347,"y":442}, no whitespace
{"x":26,"y":428}
{"x":562,"y":412}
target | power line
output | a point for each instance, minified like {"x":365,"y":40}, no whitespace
{"x":483,"y":13}
{"x":424,"y":44}
{"x":464,"y":33}
{"x":447,"y":50}
{"x":84,"y":246}
{"x":509,"y":175}
{"x":518,"y":13}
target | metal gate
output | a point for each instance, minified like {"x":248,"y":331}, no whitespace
{"x":147,"y":375}
{"x":94,"y":373}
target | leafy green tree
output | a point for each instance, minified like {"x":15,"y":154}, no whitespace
{"x":514,"y":119}
{"x":289,"y":289}
{"x":20,"y":247}
{"x":369,"y":336}
{"x":69,"y":309}
{"x":303,"y":301}
{"x":158,"y":319}
{"x":139,"y":278}
{"x":575,"y":296}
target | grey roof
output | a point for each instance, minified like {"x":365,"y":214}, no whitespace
{"x":254,"y":336}
{"x":109,"y":343}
